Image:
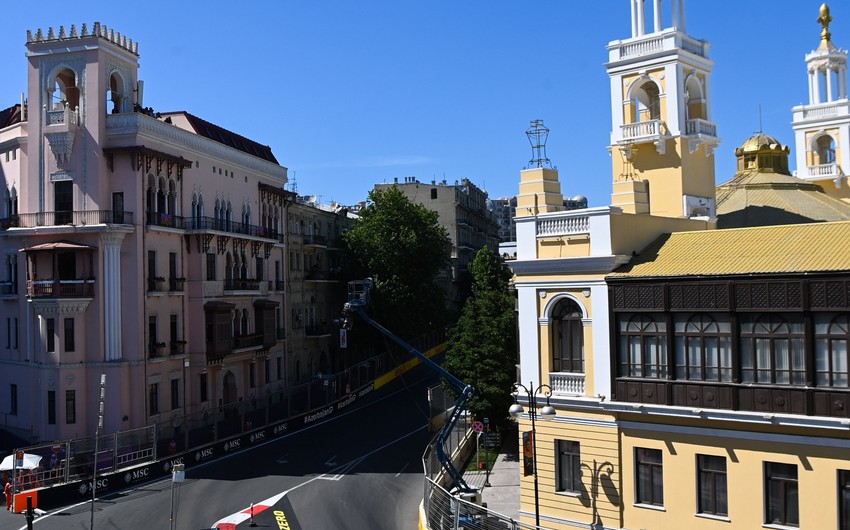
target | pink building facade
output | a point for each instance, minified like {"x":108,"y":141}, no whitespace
{"x":148,"y":247}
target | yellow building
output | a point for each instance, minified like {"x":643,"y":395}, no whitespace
{"x":700,"y":376}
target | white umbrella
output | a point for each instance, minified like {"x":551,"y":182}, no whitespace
{"x":30,"y":462}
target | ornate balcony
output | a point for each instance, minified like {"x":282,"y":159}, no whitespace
{"x":50,"y":288}
{"x":62,"y":218}
{"x":567,"y":383}
{"x":651,"y":131}
{"x":824,"y":171}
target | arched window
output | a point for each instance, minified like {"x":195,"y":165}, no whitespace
{"x":246,"y":215}
{"x":694,"y":99}
{"x":12,"y":202}
{"x":151,"y":194}
{"x":243,"y":267}
{"x":219,"y":215}
{"x":773,"y":350}
{"x":228,"y":269}
{"x":645,"y":102}
{"x":64,"y":90}
{"x":832,"y":335}
{"x":114,"y":95}
{"x":825,"y":150}
{"x":172,"y":197}
{"x":160,"y":197}
{"x":228,"y":217}
{"x":567,"y":337}
{"x":703,"y":347}
{"x":244,"y":322}
{"x":643,"y":347}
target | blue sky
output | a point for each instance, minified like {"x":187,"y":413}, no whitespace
{"x":350,"y":94}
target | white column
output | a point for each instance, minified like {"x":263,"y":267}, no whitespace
{"x":112,"y":294}
{"x":634,"y":18}
{"x":828,"y":74}
{"x":641,"y":17}
{"x":816,"y":87}
{"x":811,"y":88}
{"x":681,"y":15}
{"x":842,"y":82}
{"x":656,"y":11}
{"x":675,"y":13}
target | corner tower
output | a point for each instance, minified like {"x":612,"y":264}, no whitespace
{"x":662,"y":136}
{"x":822,"y":127}
{"x":76,"y":79}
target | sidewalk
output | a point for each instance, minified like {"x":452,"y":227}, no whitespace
{"x":502,"y":495}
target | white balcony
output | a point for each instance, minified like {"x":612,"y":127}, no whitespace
{"x":567,"y":383}
{"x":669,"y":40}
{"x":824,"y":171}
{"x":563,"y":225}
{"x":652,"y":131}
{"x":701,"y":132}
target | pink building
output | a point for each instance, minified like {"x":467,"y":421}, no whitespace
{"x":144,"y":246}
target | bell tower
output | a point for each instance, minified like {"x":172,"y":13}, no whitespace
{"x":822,"y":127}
{"x":662,"y":136}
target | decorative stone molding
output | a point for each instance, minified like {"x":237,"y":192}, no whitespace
{"x":60,"y":307}
{"x":98,"y":30}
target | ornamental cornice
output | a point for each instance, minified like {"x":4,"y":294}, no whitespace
{"x":146,"y":126}
{"x":598,"y":264}
{"x":54,"y":307}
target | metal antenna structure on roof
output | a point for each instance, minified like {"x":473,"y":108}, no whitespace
{"x":537,"y":135}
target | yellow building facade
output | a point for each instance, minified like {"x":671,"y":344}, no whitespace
{"x":698,"y":374}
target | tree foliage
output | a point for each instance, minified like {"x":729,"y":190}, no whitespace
{"x":482,"y":347}
{"x":403,"y":248}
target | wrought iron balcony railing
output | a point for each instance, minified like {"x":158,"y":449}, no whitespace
{"x":60,"y":218}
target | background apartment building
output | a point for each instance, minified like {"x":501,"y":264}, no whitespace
{"x":464,"y":212}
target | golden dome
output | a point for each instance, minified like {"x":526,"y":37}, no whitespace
{"x":760,"y":142}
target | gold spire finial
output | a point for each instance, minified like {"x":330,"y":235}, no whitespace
{"x":824,"y":21}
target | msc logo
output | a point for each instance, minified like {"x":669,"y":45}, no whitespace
{"x":136,"y":475}
{"x":206,"y":453}
{"x":281,"y":428}
{"x":168,"y":464}
{"x":86,"y":487}
{"x":257,"y":436}
{"x":231,"y":445}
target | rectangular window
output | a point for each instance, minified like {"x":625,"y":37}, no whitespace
{"x":172,"y":329}
{"x":568,"y":463}
{"x":153,"y":398}
{"x":781,"y":494}
{"x":210,"y":267}
{"x":175,"y":394}
{"x":51,"y":407}
{"x":649,"y":480}
{"x":252,"y":375}
{"x":843,"y":499}
{"x":70,"y":407}
{"x":703,"y":347}
{"x":13,"y":399}
{"x":773,"y":349}
{"x":69,"y":334}
{"x":267,"y":370}
{"x":260,"y":268}
{"x":8,"y":333}
{"x":50,"y":335}
{"x":15,"y":331}
{"x":433,"y":193}
{"x":202,"y":386}
{"x":711,"y":482}
{"x":278,"y":370}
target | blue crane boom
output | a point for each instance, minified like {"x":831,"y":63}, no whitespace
{"x":358,"y":298}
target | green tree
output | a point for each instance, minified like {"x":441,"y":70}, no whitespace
{"x":403,"y":248}
{"x":482,"y":348}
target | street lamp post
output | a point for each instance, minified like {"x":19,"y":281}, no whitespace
{"x":547,"y":412}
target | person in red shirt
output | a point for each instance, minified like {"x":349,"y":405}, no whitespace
{"x":7,"y":490}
